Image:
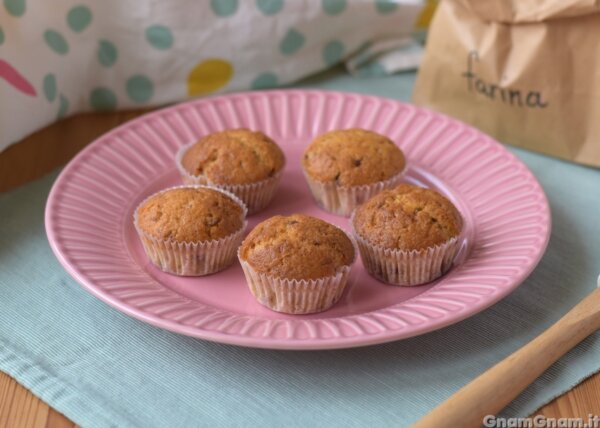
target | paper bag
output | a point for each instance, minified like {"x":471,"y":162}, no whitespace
{"x":526,"y":72}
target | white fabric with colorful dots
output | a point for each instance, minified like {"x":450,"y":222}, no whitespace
{"x":61,"y":57}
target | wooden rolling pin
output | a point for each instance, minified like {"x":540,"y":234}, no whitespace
{"x":494,"y":389}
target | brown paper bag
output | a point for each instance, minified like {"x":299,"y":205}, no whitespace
{"x":526,"y":72}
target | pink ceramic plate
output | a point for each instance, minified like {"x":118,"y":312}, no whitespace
{"x":90,"y":228}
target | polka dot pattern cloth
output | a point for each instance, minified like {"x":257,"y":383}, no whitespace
{"x":62,"y":57}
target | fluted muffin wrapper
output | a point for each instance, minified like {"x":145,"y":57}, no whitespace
{"x":196,"y":258}
{"x":255,"y":195}
{"x":298,"y":296}
{"x":293,"y":296}
{"x":342,"y":200}
{"x":406,"y":268}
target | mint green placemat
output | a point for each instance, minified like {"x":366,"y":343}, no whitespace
{"x":102,"y":368}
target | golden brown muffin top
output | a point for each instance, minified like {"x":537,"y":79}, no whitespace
{"x":235,"y":156}
{"x":407,"y":218}
{"x":190,"y":215}
{"x":352,"y":157}
{"x":297,"y":247}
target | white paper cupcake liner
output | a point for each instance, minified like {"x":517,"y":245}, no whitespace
{"x":192,"y":258}
{"x":298,"y":296}
{"x":407,"y":268}
{"x":342,"y":200}
{"x":256,"y":195}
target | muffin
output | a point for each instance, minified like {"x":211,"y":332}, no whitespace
{"x":191,"y":230}
{"x":407,"y":235}
{"x":345,"y":168}
{"x":245,"y":163}
{"x":297,"y":264}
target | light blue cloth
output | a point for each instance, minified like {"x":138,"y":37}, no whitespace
{"x":102,"y":368}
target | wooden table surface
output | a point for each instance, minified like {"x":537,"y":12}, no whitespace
{"x":53,"y":146}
